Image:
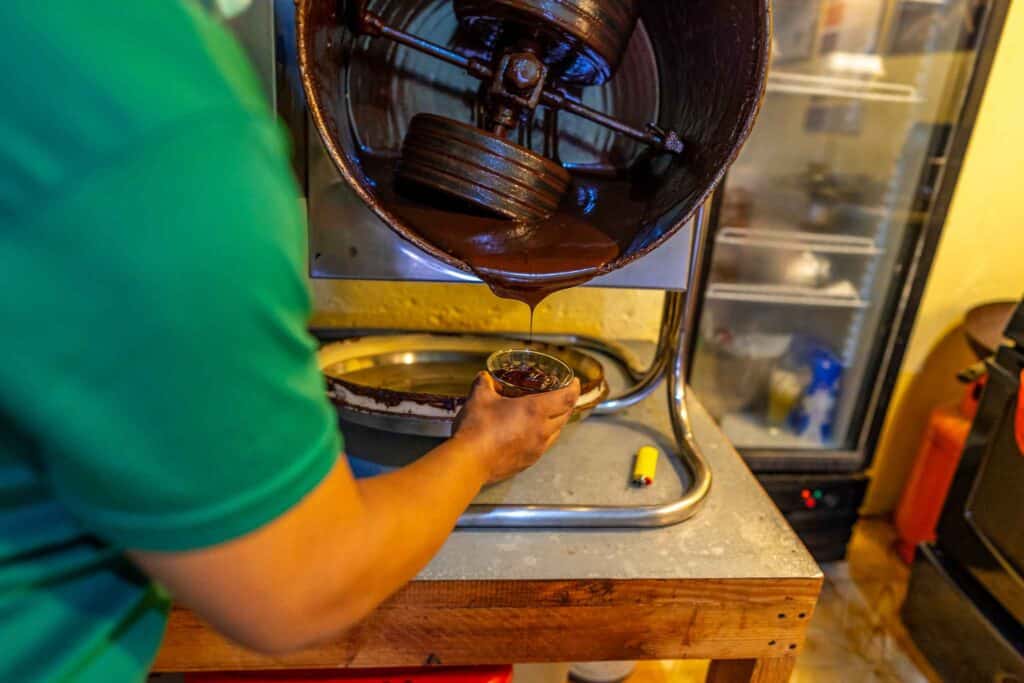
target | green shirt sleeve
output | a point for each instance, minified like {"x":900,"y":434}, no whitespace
{"x":180,"y":404}
{"x":152,"y":257}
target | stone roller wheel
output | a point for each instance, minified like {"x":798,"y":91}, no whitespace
{"x":473,"y":165}
{"x":584,"y":39}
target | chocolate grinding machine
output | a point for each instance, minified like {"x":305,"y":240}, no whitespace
{"x":630,"y":111}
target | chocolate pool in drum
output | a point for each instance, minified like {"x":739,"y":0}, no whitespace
{"x":522,"y":260}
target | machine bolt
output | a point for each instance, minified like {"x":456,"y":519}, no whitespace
{"x":524,"y":71}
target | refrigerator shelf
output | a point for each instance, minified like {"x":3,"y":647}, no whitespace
{"x":798,"y":240}
{"x":841,"y":295}
{"x":747,"y":431}
{"x":792,"y":83}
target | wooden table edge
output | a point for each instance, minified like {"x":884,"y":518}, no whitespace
{"x":743,"y":622}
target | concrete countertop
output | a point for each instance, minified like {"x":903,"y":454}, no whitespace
{"x":737,"y":533}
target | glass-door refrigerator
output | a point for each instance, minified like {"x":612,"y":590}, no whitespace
{"x":825,"y":230}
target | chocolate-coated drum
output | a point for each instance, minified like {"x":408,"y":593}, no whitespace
{"x":583,"y":40}
{"x":710,"y":58}
{"x":480,"y":168}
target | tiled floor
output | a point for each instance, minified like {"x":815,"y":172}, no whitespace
{"x":855,"y":636}
{"x":877,"y":573}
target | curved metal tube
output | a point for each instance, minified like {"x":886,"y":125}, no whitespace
{"x":680,"y":336}
{"x":602,"y":516}
{"x":677,"y":387}
{"x":614,"y":350}
{"x":646,"y":384}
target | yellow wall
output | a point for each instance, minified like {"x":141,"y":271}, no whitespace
{"x":615,"y":314}
{"x":980,"y":258}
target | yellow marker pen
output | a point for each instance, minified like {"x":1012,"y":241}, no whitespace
{"x":645,"y":467}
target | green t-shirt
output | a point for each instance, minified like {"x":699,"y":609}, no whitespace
{"x":158,"y":388}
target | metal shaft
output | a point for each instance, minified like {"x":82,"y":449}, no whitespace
{"x":373,"y":25}
{"x":666,"y":141}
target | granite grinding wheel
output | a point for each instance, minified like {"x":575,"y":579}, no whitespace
{"x":473,"y":165}
{"x":584,"y":40}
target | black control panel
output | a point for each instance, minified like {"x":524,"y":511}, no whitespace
{"x":821,"y":508}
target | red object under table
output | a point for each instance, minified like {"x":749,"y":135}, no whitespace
{"x":490,"y":674}
{"x":936,"y":462}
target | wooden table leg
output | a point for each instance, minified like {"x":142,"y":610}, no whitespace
{"x":775,"y":670}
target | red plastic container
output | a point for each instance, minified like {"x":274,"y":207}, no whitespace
{"x":492,"y":674}
{"x":936,"y":462}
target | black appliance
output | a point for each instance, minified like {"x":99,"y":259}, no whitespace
{"x":965,"y":603}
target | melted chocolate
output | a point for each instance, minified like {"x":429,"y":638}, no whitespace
{"x":518,"y":260}
{"x":527,"y":377}
{"x":521,"y":261}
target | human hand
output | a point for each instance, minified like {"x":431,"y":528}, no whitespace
{"x":508,"y":435}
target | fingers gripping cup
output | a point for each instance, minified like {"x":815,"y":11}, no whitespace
{"x":521,"y":372}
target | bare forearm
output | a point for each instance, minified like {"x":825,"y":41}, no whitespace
{"x":325,"y":564}
{"x":405,"y":518}
{"x":329,"y":561}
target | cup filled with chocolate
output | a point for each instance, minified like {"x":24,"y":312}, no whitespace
{"x":520,"y":372}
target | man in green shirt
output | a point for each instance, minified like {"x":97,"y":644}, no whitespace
{"x":161,"y":412}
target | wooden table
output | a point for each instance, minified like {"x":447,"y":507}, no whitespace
{"x":733,"y":584}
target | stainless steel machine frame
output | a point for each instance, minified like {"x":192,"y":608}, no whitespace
{"x":674,"y":268}
{"x":671,"y":360}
